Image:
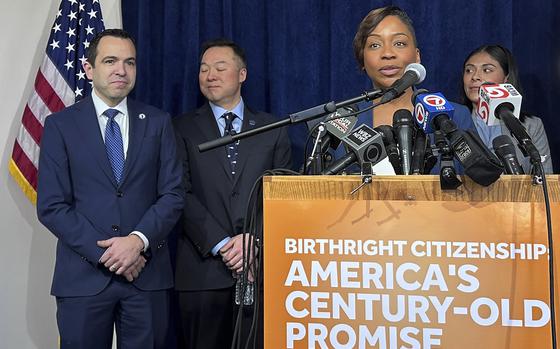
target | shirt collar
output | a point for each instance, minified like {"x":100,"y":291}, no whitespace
{"x":219,"y":111}
{"x":101,"y":106}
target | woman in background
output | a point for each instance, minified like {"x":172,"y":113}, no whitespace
{"x":495,"y":64}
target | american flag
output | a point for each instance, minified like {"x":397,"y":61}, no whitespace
{"x":60,"y":82}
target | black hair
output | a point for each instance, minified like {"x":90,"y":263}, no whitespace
{"x":222,"y":42}
{"x":91,"y":53}
{"x":370,"y":22}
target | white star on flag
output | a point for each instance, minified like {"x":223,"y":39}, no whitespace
{"x":71,"y":32}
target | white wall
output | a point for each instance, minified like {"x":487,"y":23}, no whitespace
{"x":27,"y":311}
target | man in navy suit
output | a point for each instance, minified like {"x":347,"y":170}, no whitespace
{"x":110,"y":190}
{"x":218,"y":184}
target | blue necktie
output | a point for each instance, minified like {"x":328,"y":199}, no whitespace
{"x":231,"y":148}
{"x":114,"y":144}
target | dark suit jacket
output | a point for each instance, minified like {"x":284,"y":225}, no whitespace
{"x":79,"y":201}
{"x":215,"y":202}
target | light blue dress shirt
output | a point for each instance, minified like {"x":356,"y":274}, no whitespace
{"x":486,"y":133}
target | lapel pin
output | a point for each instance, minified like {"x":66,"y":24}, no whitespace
{"x":142,"y":116}
{"x":252,"y":122}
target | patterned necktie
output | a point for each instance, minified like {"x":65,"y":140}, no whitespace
{"x":231,"y":149}
{"x":114,"y":144}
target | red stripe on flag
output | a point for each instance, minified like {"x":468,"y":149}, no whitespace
{"x":25,"y":165}
{"x":47,"y":94}
{"x":32,"y":125}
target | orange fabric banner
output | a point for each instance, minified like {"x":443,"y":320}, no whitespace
{"x":396,"y":274}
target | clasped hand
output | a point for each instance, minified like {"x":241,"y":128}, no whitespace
{"x":122,"y":256}
{"x":232,"y":252}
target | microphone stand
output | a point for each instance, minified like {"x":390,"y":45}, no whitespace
{"x":538,"y":168}
{"x":448,"y":175}
{"x":301,"y":116}
{"x":316,"y":157}
{"x":539,"y":178}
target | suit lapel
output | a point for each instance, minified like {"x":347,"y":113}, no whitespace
{"x":209,"y":131}
{"x":88,"y":127}
{"x":137,"y":123}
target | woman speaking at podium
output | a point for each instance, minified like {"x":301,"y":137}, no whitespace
{"x":384,"y":45}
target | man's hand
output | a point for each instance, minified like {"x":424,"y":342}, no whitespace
{"x":132,"y":273}
{"x":122,"y":252}
{"x":232,"y":252}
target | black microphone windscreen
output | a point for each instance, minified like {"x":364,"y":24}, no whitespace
{"x":387,"y":133}
{"x":403,"y":125}
{"x":503,"y":145}
{"x":388,"y":136}
{"x":504,"y":148}
{"x":402,"y":117}
{"x":419,"y":153}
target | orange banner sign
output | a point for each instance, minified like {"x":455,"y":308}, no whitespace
{"x":398,"y":274}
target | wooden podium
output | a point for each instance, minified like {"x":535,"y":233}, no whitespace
{"x":404,"y":264}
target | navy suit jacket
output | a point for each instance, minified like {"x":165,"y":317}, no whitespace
{"x":216,"y":202}
{"x":79,"y":201}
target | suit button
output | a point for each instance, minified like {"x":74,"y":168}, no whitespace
{"x":115,"y":228}
{"x":234,"y":193}
{"x":120,"y":194}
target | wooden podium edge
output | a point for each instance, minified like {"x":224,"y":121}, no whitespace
{"x":508,"y":188}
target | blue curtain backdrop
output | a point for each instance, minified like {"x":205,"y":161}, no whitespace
{"x":300,"y":51}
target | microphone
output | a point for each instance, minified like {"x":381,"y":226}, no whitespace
{"x":491,"y":96}
{"x":364,"y":144}
{"x":419,"y":153}
{"x":431,"y":106}
{"x":403,"y":125}
{"x":337,"y":126}
{"x":516,"y":128}
{"x":504,"y":103}
{"x":504,"y":148}
{"x":432,"y":114}
{"x":388,"y":136}
{"x":414,"y":73}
